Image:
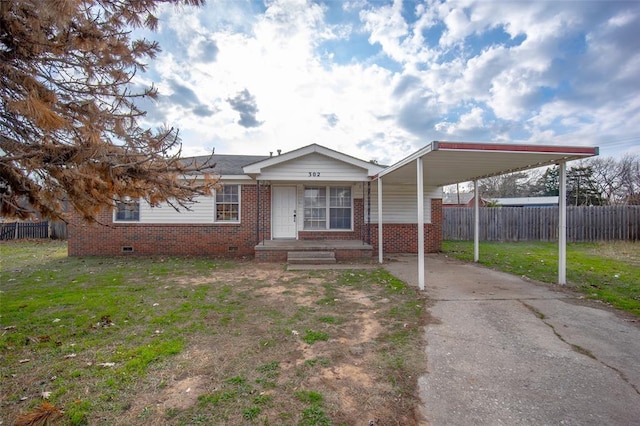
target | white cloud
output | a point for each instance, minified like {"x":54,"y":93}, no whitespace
{"x":530,"y":72}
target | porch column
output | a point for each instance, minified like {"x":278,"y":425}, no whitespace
{"x":562,"y":223}
{"x":420,"y":186}
{"x":476,"y":222}
{"x":380,"y":245}
{"x":258,"y":212}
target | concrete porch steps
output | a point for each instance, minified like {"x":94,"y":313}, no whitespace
{"x":311,"y":257}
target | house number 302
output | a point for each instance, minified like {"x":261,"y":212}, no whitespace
{"x":314,"y":174}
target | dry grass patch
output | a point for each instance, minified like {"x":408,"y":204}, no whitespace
{"x":196,"y":341}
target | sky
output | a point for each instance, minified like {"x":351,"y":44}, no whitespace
{"x":379,"y":80}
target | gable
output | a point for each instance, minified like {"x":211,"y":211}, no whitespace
{"x":257,"y":169}
{"x":313,"y":167}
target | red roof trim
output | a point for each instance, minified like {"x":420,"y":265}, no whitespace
{"x":466,"y":146}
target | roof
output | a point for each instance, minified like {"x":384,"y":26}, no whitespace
{"x":526,"y":201}
{"x":457,"y":197}
{"x":446,"y":163}
{"x":224,"y":164}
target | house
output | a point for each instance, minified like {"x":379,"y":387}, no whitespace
{"x":551,"y":201}
{"x":315,"y":198}
{"x":460,"y":199}
{"x":312,"y":198}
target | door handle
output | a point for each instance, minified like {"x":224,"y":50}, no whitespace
{"x":294,"y":216}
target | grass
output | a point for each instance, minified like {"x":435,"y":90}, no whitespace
{"x":602,"y":271}
{"x":203,"y":341}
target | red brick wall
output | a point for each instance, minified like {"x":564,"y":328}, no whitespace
{"x":235,"y":239}
{"x":173,"y":239}
{"x":403,"y":237}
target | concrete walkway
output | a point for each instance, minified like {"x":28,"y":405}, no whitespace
{"x":505,"y":351}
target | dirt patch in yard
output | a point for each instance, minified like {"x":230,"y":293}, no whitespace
{"x":260,"y":345}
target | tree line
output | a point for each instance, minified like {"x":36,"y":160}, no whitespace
{"x":591,"y":182}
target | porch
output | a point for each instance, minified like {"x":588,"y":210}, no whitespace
{"x":344,"y":250}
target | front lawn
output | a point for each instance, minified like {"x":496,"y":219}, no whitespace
{"x":201,"y":341}
{"x":603,"y":271}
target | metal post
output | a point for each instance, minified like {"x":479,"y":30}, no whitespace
{"x":476,"y":222}
{"x":420,"y":199}
{"x":369,"y":212}
{"x":562,"y":223}
{"x":362,"y":237}
{"x":380,"y":253}
{"x":258,"y":213}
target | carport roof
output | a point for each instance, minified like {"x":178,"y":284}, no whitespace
{"x":446,"y":163}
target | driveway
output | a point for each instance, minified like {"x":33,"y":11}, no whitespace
{"x":502,"y":350}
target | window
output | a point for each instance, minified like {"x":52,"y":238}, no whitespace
{"x":128,"y":210}
{"x":228,"y":203}
{"x":315,"y":208}
{"x":340,"y":208}
{"x":337,"y":209}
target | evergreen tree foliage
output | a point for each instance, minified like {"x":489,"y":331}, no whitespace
{"x":68,"y":117}
{"x":581,"y":187}
{"x":548,"y":184}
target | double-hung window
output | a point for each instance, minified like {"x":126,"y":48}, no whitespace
{"x":127,"y":210}
{"x":327,"y":208}
{"x":228,"y":203}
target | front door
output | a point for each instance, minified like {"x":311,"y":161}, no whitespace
{"x":284,"y":212}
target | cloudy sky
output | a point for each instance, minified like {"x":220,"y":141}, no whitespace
{"x":380,"y":79}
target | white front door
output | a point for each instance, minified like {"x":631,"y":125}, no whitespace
{"x":283,"y":216}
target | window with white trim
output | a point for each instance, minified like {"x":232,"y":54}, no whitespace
{"x":227,"y":208}
{"x":127,"y":210}
{"x":328,"y":207}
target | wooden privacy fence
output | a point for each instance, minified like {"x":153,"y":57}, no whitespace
{"x":601,"y":223}
{"x":23,"y":230}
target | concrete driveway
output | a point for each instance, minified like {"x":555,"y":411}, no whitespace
{"x":505,"y":351}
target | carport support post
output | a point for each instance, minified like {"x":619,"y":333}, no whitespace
{"x":476,"y":222}
{"x":380,"y":245}
{"x":420,"y":190}
{"x":562,"y":223}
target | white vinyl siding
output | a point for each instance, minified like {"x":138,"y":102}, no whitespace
{"x":399,"y":203}
{"x":314,"y":168}
{"x":202,"y":211}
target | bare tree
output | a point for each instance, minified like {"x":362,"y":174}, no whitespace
{"x":507,"y":185}
{"x":608,"y":177}
{"x":630,"y":191}
{"x":68,"y":118}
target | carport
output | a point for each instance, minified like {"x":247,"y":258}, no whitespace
{"x":444,"y":163}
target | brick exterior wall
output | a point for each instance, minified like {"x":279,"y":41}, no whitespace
{"x":403,"y":237}
{"x":238,"y":240}
{"x":230,"y":240}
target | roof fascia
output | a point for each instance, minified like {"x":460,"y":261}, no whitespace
{"x":220,"y":177}
{"x":406,"y":160}
{"x":569,"y":151}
